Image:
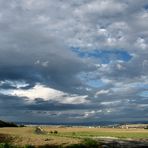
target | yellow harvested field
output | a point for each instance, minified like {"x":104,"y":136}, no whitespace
{"x":68,"y":135}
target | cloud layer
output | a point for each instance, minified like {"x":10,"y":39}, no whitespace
{"x":73,"y":61}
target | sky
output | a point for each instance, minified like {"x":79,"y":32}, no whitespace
{"x":73,"y":60}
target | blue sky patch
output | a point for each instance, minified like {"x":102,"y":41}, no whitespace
{"x":105,"y":56}
{"x":146,"y":7}
{"x":144,"y":94}
{"x":95,"y":83}
{"x":91,"y":80}
{"x":141,"y":85}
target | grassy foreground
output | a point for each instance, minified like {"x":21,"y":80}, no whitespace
{"x":26,"y":137}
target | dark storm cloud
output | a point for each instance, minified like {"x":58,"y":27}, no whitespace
{"x":31,"y":53}
{"x":55,"y":106}
{"x":17,"y":108}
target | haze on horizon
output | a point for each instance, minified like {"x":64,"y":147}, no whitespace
{"x":73,"y":61}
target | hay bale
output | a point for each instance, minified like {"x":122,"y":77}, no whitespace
{"x":39,"y":130}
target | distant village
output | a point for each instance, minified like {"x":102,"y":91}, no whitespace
{"x":123,"y":126}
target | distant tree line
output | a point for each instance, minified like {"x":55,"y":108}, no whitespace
{"x":7,"y":124}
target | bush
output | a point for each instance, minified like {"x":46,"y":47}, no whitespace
{"x":73,"y":133}
{"x":29,"y":146}
{"x":5,"y":145}
{"x":90,"y":143}
{"x":146,"y":127}
{"x":50,"y":146}
{"x":55,"y":132}
{"x":22,"y":125}
{"x":76,"y":146}
{"x":87,"y":143}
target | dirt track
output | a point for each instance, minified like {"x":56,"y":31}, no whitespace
{"x":118,"y":143}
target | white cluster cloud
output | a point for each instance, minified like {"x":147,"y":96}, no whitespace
{"x":47,"y":94}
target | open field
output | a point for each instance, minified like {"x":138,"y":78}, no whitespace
{"x":70,"y":135}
